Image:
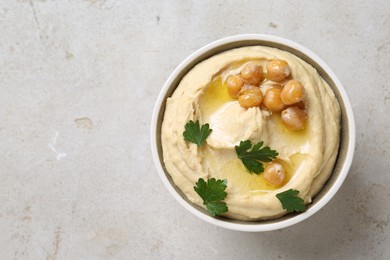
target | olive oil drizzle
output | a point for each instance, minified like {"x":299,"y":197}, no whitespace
{"x":216,"y":95}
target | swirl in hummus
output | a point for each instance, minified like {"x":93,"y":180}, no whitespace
{"x":307,"y":155}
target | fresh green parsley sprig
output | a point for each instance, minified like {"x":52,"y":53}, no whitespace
{"x":290,"y":201}
{"x":213,"y":193}
{"x":253,"y":156}
{"x":195,"y":133}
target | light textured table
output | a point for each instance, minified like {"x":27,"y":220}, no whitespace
{"x":78,"y":83}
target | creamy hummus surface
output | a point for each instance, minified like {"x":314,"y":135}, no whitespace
{"x":307,"y":155}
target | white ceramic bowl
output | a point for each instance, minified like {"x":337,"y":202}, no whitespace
{"x":347,"y":140}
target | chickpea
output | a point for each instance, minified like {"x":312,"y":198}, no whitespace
{"x":272,"y":100}
{"x":234,"y":84}
{"x":274,"y":174}
{"x":292,"y":93}
{"x":252,"y":73}
{"x":250,"y":96}
{"x":294,"y":118}
{"x":278,"y":70}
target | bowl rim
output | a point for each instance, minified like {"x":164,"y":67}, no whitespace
{"x":256,"y":227}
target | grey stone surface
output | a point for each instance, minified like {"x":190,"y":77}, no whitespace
{"x":78,"y":83}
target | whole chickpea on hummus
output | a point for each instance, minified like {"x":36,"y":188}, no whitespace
{"x":258,"y":94}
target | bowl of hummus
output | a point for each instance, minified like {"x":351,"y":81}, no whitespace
{"x":253,"y":133}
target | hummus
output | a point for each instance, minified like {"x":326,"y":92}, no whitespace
{"x":307,"y":155}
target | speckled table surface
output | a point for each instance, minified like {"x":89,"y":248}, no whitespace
{"x":78,"y":83}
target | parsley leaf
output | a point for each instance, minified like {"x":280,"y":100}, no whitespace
{"x":196,"y":134}
{"x":212,"y":192}
{"x":252,"y":157}
{"x":290,"y":200}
